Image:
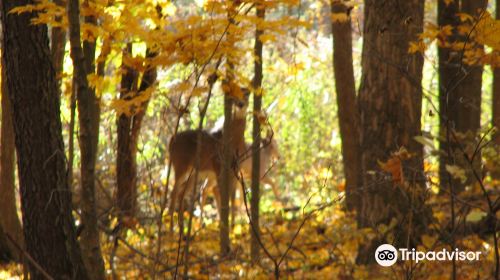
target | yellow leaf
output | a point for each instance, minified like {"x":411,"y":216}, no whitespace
{"x":429,"y":241}
{"x":136,"y":63}
{"x":465,"y":17}
{"x":296,"y":68}
{"x":456,"y":172}
{"x":487,"y":30}
{"x":339,"y":17}
{"x":446,"y":30}
{"x":393,"y":166}
{"x":341,"y":186}
{"x":169,"y":9}
{"x":267,"y":37}
{"x":181,"y":87}
{"x":198,"y":91}
{"x":417,"y":47}
{"x":475,"y":216}
{"x":259,"y":91}
{"x":22,"y":9}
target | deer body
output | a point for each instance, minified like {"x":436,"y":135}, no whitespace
{"x":268,"y":155}
{"x":182,"y":150}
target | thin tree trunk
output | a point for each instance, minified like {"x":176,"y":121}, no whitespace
{"x":347,"y":106}
{"x":124,"y":165}
{"x":57,"y":45}
{"x":465,"y":106}
{"x":45,"y":198}
{"x":256,"y":138}
{"x":71,"y":133}
{"x":89,"y":117}
{"x":449,"y":67}
{"x":226,"y":180}
{"x":390,"y":103}
{"x":460,"y":97}
{"x":9,"y":219}
{"x":496,"y":100}
{"x":128,"y":137}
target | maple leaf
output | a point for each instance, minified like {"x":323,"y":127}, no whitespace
{"x":487,"y":30}
{"x":394,"y":165}
{"x":417,"y":47}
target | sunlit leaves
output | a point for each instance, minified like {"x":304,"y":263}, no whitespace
{"x":487,"y":32}
{"x":457,"y":172}
{"x":47,"y":13}
{"x":132,"y":103}
{"x":100,"y":83}
{"x":466,"y":39}
{"x":475,"y":216}
{"x":339,"y":17}
{"x":417,"y":47}
{"x":264,"y":38}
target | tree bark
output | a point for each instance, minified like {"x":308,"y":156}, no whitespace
{"x":49,"y":230}
{"x":57,"y":45}
{"x":256,"y":137}
{"x":5,"y":250}
{"x":460,"y":97}
{"x":390,"y":101}
{"x":128,"y":136}
{"x":89,"y":118}
{"x":449,"y":67}
{"x":226,"y":180}
{"x":348,"y":112}
{"x":9,"y":219}
{"x":496,"y":101}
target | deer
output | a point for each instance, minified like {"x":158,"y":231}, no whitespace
{"x":268,"y":156}
{"x":182,"y":151}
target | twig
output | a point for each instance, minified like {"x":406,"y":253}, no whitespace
{"x":29,"y":258}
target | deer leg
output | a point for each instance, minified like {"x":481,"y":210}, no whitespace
{"x":171,"y":207}
{"x":210,"y":186}
{"x":180,"y":212}
{"x":234,"y":187}
{"x":218,"y":203}
{"x":268,"y":181}
{"x":203,"y":199}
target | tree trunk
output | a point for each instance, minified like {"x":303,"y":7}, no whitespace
{"x":348,"y":113}
{"x":465,"y":106}
{"x":89,"y":117}
{"x":45,"y":198}
{"x":57,"y":45}
{"x":496,"y":102}
{"x":460,"y":98}
{"x":5,"y":250}
{"x":449,"y":67}
{"x":390,"y":103}
{"x":128,"y":136}
{"x":226,"y":180}
{"x":256,"y":137}
{"x":9,"y":219}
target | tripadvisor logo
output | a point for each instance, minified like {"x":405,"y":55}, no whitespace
{"x":387,"y":255}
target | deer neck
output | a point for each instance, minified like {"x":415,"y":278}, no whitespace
{"x":237,"y":131}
